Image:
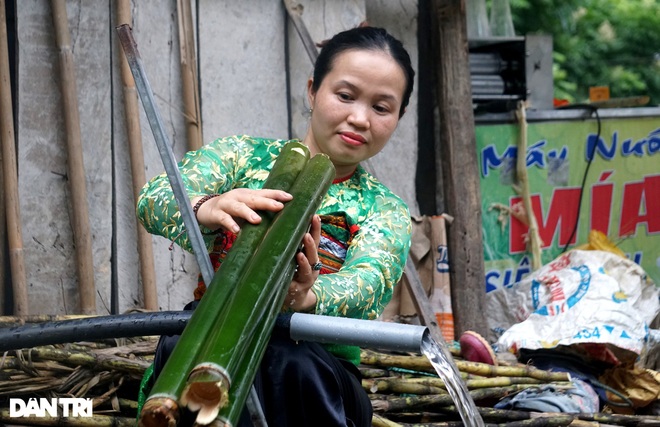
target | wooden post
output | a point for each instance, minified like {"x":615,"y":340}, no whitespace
{"x":456,"y":146}
{"x":76,"y":169}
{"x":136,"y":153}
{"x":294,"y":10}
{"x":4,"y":262}
{"x":522,"y":187}
{"x":10,"y":178}
{"x":191,"y":108}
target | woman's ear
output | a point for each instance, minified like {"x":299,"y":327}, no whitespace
{"x":310,"y":92}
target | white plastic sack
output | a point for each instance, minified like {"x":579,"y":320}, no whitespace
{"x":580,"y":297}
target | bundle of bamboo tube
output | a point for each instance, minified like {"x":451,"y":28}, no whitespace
{"x":208,"y":368}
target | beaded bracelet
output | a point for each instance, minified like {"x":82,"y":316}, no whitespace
{"x":201,"y":201}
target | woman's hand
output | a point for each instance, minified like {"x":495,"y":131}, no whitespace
{"x":227,"y":210}
{"x":300,"y":296}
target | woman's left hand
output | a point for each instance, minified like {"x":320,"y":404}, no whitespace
{"x":300,"y":296}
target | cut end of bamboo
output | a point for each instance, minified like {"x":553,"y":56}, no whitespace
{"x":159,"y":412}
{"x":207,"y":392}
{"x":205,"y":398}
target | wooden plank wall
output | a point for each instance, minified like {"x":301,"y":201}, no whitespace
{"x":243,"y":88}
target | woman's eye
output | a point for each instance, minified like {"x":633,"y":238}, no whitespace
{"x":381,"y":109}
{"x":344,"y":96}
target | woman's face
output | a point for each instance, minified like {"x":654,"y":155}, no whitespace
{"x":356,"y":108}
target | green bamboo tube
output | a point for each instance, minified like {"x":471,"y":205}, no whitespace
{"x":247,"y":371}
{"x":162,"y":403}
{"x":225,"y":345}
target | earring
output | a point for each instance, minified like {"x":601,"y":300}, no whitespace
{"x":311,"y":110}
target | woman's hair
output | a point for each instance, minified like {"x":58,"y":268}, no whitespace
{"x":364,"y":38}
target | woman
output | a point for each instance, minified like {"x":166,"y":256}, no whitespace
{"x":360,"y":236}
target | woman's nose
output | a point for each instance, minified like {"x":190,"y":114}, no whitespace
{"x":359,"y":117}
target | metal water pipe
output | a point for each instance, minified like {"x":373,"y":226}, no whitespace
{"x":362,"y":333}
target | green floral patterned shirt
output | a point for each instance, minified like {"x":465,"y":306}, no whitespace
{"x":376,"y":254}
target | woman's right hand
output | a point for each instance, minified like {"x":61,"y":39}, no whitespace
{"x":227,"y":210}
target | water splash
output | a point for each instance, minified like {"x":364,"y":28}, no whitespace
{"x":441,"y":360}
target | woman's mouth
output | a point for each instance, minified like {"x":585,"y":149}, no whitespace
{"x":352,"y":138}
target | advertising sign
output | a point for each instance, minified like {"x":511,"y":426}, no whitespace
{"x":583,"y":174}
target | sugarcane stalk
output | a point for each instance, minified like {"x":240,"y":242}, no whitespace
{"x":503,"y":381}
{"x":383,"y":403}
{"x":495,"y":415}
{"x":127,"y":404}
{"x":581,"y":423}
{"x":511,"y":371}
{"x":483,"y":382}
{"x":95,"y":421}
{"x":90,"y":360}
{"x":506,"y":417}
{"x":417,"y":363}
{"x":556,"y":420}
{"x":437,"y":424}
{"x":10,"y":362}
{"x":236,"y":323}
{"x":163,"y":399}
{"x":380,"y":421}
{"x":29,"y":385}
{"x":387,"y":403}
{"x":76,"y":169}
{"x":401,"y":386}
{"x":429,"y":385}
{"x":620,"y":419}
{"x":423,"y":422}
{"x":476,"y":382}
{"x":370,"y":357}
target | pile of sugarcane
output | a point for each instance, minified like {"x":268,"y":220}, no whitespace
{"x":405,"y":392}
{"x":403,"y":388}
{"x":108,"y":372}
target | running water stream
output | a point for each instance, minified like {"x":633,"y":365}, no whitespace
{"x":440,"y":358}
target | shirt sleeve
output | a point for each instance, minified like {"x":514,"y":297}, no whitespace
{"x":374,"y":264}
{"x":213,"y":168}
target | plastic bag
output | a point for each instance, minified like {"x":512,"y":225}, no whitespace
{"x":580,"y":297}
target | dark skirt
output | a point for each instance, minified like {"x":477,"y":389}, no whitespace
{"x":298,"y":384}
